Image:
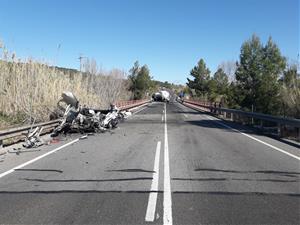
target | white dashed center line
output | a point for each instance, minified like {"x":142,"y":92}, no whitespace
{"x":150,"y":214}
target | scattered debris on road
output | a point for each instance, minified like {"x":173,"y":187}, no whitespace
{"x":54,"y":141}
{"x":20,"y":150}
{"x":83,"y":137}
{"x":33,"y":139}
{"x":2,"y":158}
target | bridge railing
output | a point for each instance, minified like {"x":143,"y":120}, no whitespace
{"x":282,"y":124}
{"x":132,"y":103}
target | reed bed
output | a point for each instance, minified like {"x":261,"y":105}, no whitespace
{"x":30,"y":89}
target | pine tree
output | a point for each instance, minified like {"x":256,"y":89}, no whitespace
{"x":257,"y":75}
{"x":201,"y":77}
{"x":140,"y":80}
{"x":221,"y":79}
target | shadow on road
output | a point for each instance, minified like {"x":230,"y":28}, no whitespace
{"x":89,"y":180}
{"x":40,"y":170}
{"x":183,"y":112}
{"x":236,"y":193}
{"x":76,"y":191}
{"x":210,"y":124}
{"x":234,"y":179}
{"x":145,"y":192}
{"x":131,"y":170}
{"x":242,"y":128}
{"x":281,"y":173}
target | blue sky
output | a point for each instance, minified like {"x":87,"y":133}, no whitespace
{"x":169,"y":36}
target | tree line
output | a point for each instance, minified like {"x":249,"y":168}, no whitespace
{"x":143,"y":85}
{"x":262,"y":81}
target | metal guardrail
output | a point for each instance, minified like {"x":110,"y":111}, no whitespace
{"x":123,"y":105}
{"x":234,"y":114}
{"x":21,"y":132}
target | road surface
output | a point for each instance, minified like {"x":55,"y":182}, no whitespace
{"x":167,"y":164}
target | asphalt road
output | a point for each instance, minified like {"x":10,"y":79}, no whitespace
{"x":167,"y":164}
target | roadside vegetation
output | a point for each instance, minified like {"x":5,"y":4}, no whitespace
{"x":30,"y":89}
{"x":261,"y":81}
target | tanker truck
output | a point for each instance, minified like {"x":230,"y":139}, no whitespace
{"x":162,"y":96}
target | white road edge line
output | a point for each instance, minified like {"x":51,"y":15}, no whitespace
{"x":37,"y":158}
{"x":150,"y":214}
{"x":256,"y":139}
{"x":167,"y":203}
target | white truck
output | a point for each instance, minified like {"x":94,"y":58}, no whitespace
{"x":163,"y":96}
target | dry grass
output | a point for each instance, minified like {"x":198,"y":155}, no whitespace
{"x":30,"y":89}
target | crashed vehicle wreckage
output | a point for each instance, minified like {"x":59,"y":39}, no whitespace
{"x":83,"y":119}
{"x":74,"y":118}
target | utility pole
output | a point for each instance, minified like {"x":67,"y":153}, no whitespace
{"x":298,"y":63}
{"x":80,"y":60}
